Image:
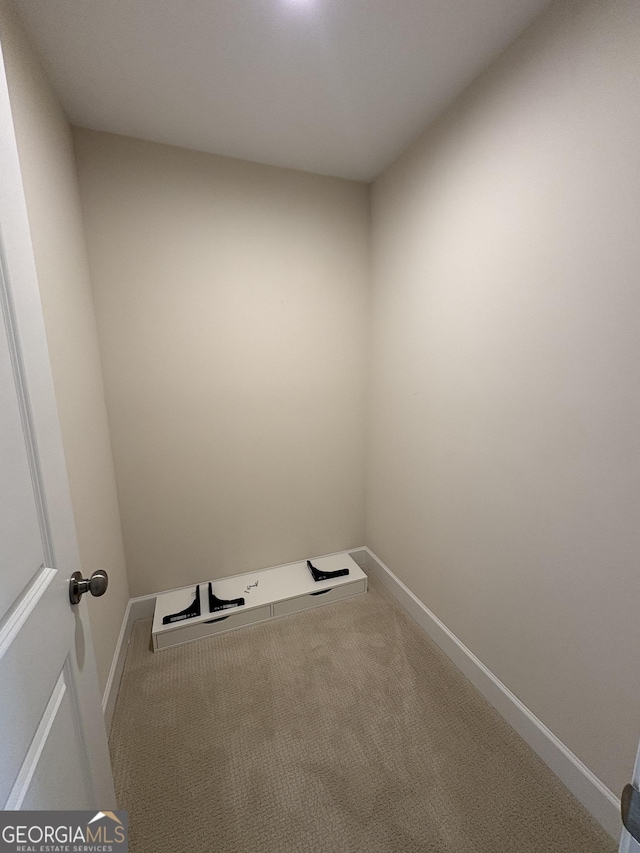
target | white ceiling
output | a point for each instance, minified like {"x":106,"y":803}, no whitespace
{"x":339,"y":87}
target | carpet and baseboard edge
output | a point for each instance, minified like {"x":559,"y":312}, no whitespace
{"x":599,"y":801}
{"x":594,"y":795}
{"x":137,"y":608}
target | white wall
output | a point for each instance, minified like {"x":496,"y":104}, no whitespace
{"x":48,"y":171}
{"x":231,"y":305}
{"x":505,"y":404}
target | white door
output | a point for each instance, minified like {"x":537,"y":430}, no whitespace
{"x":627,"y":843}
{"x":53,"y":747}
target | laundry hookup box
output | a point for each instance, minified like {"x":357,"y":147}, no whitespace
{"x":208,"y":608}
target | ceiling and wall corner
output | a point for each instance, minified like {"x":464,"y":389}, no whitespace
{"x":326,"y":86}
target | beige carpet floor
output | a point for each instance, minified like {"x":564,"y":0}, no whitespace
{"x":343,"y":729}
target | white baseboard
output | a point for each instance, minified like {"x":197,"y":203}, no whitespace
{"x":137,"y":608}
{"x":583,"y":784}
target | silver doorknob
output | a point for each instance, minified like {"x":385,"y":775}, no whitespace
{"x":97,"y":585}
